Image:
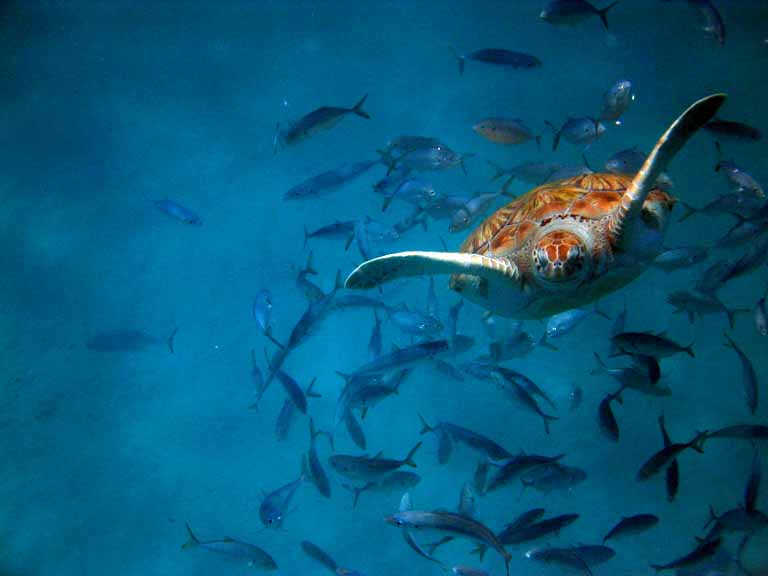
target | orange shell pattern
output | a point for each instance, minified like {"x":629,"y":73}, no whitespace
{"x":588,"y":197}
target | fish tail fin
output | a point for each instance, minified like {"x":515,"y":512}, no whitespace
{"x":547,"y":418}
{"x":689,"y":350}
{"x":309,"y":266}
{"x":498,"y":171}
{"x":387,"y":202}
{"x":460,"y":58}
{"x":409,"y":458}
{"x":192,"y":541}
{"x":275,"y":341}
{"x":309,"y":392}
{"x":698,"y":442}
{"x":424,"y":426}
{"x":713,"y":517}
{"x":543,"y":341}
{"x":689,"y":211}
{"x":507,"y":559}
{"x":312,"y":430}
{"x":480,"y":550}
{"x":358,"y":108}
{"x":305,"y":471}
{"x":171,"y":338}
{"x":603,"y":13}
{"x":463,"y":164}
{"x":556,"y":132}
{"x":306,"y":235}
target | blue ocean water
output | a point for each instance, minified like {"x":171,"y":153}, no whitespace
{"x":111,"y":443}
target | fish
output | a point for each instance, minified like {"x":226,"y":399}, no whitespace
{"x":562,"y":557}
{"x":414,"y":322}
{"x":467,"y":501}
{"x":733,"y":521}
{"x":467,"y":571}
{"x":581,"y":131}
{"x":571,"y":12}
{"x":736,"y":204}
{"x":122,"y":340}
{"x":529,"y":172}
{"x":664,"y":457}
{"x":406,"y":356}
{"x":712,"y":279}
{"x":428,"y":158}
{"x":369,"y":468}
{"x":702,"y":552}
{"x":293,"y":390}
{"x":415,"y":191}
{"x":251,"y":555}
{"x":553,"y":477}
{"x":258,"y":378}
{"x":470,"y":438}
{"x":512,"y":467}
{"x":576,"y":397}
{"x":748,"y":374}
{"x":629,"y":161}
{"x":354,"y":429}
{"x":729,"y":130}
{"x":516,"y":534}
{"x":525,"y":519}
{"x":741,"y":233}
{"x":616,"y":101}
{"x":262,"y":309}
{"x":741,"y":432}
{"x":743,"y":182}
{"x":416,"y":218}
{"x":498,"y":57}
{"x":713,"y":21}
{"x":569,"y":171}
{"x":694,"y":304}
{"x":506,"y":131}
{"x":637,"y":377}
{"x":607,"y":421}
{"x":374,"y":342}
{"x":327,"y":182}
{"x":648,"y":344}
{"x":178,"y":212}
{"x":312,"y":317}
{"x":362,"y":240}
{"x":755,"y":257}
{"x":336,"y":230}
{"x":315,"y":471}
{"x":672,"y":478}
{"x":323,"y":118}
{"x":344,"y":301}
{"x":761,"y":317}
{"x":522,"y":396}
{"x":593,"y":554}
{"x":473,"y":209}
{"x":288,"y":411}
{"x":480,"y":477}
{"x":631,"y":526}
{"x":397,"y":481}
{"x":320,"y":555}
{"x":275,"y":505}
{"x":517,"y":345}
{"x":450,"y":523}
{"x":367,"y":396}
{"x":311,"y":291}
{"x":563,"y":323}
{"x":681,"y":257}
{"x":433,"y":305}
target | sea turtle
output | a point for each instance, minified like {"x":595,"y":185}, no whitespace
{"x":561,"y":245}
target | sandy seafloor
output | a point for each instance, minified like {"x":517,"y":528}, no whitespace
{"x":109,"y":106}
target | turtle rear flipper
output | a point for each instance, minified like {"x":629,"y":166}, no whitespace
{"x":628,"y":215}
{"x":406,"y":264}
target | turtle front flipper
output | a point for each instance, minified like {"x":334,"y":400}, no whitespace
{"x":627,"y":218}
{"x":405,"y":264}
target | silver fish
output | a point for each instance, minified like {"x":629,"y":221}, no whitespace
{"x":616,"y":100}
{"x":249,"y":554}
{"x":631,"y":526}
{"x":275,"y":505}
{"x":328,"y":182}
{"x":262,"y":309}
{"x":748,"y":374}
{"x":320,"y":119}
{"x":572,"y":12}
{"x":761,"y":318}
{"x":581,"y":131}
{"x":369,"y":468}
{"x":397,"y":481}
{"x":498,"y":57}
{"x":679,"y":258}
{"x":178,"y":212}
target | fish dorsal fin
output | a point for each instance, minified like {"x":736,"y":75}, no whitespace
{"x":627,"y":215}
{"x":405,"y":503}
{"x":378,"y":455}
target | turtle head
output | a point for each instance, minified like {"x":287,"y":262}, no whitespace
{"x":561,"y":258}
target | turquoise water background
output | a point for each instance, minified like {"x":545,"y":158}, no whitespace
{"x":110,"y":106}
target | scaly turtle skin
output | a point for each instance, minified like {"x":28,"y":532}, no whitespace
{"x":561,"y":245}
